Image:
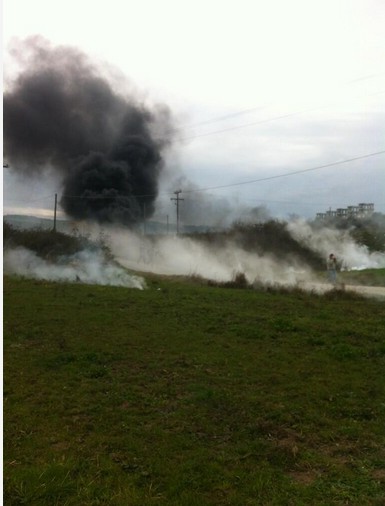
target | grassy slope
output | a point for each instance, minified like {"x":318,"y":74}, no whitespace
{"x":185,"y":394}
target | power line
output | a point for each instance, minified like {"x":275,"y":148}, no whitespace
{"x":39,"y":199}
{"x":347,"y":160}
{"x":226,"y":116}
{"x":265,"y":106}
{"x":267,"y":120}
{"x":196,"y":190}
{"x":245,"y":125}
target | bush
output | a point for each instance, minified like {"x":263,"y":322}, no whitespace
{"x":271,"y":237}
{"x":45,"y":243}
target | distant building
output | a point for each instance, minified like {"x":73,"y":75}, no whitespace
{"x":362,"y":210}
{"x":365,"y":209}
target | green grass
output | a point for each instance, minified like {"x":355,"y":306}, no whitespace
{"x":187,"y":394}
{"x":371,"y":277}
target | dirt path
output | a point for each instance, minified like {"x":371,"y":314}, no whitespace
{"x":369,"y":291}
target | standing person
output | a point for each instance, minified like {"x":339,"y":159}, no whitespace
{"x":332,"y":268}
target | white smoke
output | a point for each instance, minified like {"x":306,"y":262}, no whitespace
{"x":186,"y":256}
{"x":181,"y":255}
{"x":86,"y":266}
{"x":350,"y":255}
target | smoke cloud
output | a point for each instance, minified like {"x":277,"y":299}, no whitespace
{"x":85,"y":267}
{"x":62,"y":114}
{"x":326,"y":240}
{"x":186,"y":256}
{"x":182,"y":255}
{"x":219,"y":261}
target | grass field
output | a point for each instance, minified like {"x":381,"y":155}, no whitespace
{"x":187,"y":394}
{"x":370,"y":277}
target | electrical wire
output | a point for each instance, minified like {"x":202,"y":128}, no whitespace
{"x":210,"y":188}
{"x":266,"y":106}
{"x":39,"y":199}
{"x":333,"y":164}
{"x":225,"y":117}
{"x":267,"y":120}
{"x":268,"y":178}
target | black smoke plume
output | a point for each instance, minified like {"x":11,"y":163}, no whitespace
{"x":61,"y":114}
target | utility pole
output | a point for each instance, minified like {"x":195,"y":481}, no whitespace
{"x":54,"y":216}
{"x":177,"y":200}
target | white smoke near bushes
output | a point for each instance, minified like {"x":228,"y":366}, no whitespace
{"x":326,"y":240}
{"x":85,"y":266}
{"x":184,"y":256}
{"x":180,"y":255}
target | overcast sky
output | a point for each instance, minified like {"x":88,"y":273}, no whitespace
{"x":259,"y":89}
